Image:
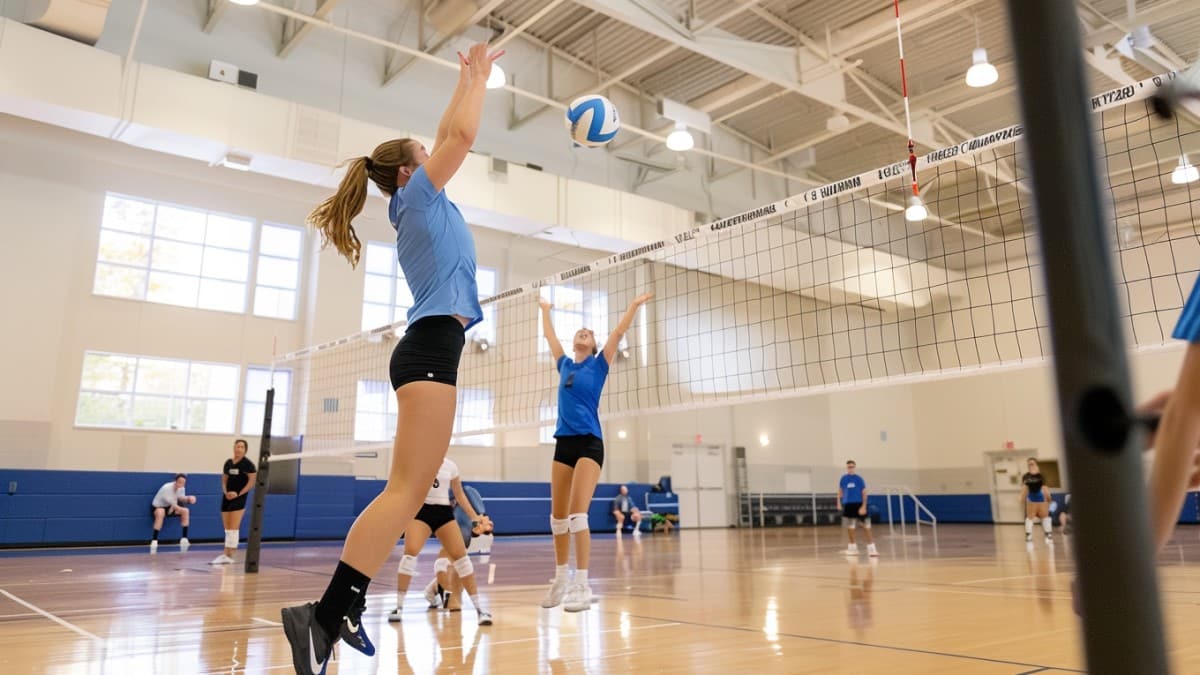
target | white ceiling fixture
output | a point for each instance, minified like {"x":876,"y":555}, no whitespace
{"x":1185,"y":172}
{"x":981,"y":73}
{"x":916,"y":211}
{"x":236,"y":160}
{"x":245,"y":3}
{"x":681,"y":139}
{"x":496,"y":79}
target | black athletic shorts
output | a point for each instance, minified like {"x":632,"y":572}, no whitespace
{"x":169,"y":514}
{"x":236,"y":504}
{"x":428,"y":352}
{"x":436,"y":515}
{"x":570,"y":449}
{"x":851,"y":511}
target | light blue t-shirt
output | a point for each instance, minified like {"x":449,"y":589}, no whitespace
{"x":1188,"y":327}
{"x":852,"y":488}
{"x":436,"y":251}
{"x":579,"y":387}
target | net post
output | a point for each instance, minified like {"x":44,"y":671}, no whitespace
{"x":1122,"y":621}
{"x":262,"y":480}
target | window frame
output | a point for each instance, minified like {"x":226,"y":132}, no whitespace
{"x":275,"y":419}
{"x":257,"y":263}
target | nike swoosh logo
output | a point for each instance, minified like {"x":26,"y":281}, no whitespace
{"x":352,"y":626}
{"x":312,"y":654}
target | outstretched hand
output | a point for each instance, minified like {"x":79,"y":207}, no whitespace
{"x":544,"y":303}
{"x":480,"y":61}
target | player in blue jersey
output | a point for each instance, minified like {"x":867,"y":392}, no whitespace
{"x":578,"y":451}
{"x":436,"y":251}
{"x":852,"y":500}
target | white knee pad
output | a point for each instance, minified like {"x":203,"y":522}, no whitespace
{"x":559,"y":525}
{"x":441,"y":565}
{"x":577,"y":522}
{"x":231,"y":538}
{"x":850,"y":523}
{"x":408,"y":566}
{"x":464,"y":567}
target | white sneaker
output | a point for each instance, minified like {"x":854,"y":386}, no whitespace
{"x":184,"y":545}
{"x":431,"y":595}
{"x":485,"y":617}
{"x":154,"y":547}
{"x":1049,"y":540}
{"x":554,"y":594}
{"x":221,"y":560}
{"x":852,"y":549}
{"x":578,"y":598}
{"x":871,"y":551}
{"x":395,"y":615}
{"x":637,"y":532}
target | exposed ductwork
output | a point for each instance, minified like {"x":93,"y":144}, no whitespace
{"x":80,"y":20}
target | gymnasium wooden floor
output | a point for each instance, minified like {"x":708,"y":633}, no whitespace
{"x":764,"y":601}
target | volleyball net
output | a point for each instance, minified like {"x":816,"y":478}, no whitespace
{"x":827,"y":289}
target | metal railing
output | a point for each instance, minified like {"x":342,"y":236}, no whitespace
{"x":901,"y":492}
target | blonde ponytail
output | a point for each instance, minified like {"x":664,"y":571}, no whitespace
{"x":333,"y":218}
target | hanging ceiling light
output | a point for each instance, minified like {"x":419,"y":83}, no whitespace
{"x":981,"y":73}
{"x":680,"y":139}
{"x":916,"y":211}
{"x":496,"y":80}
{"x":1185,"y":172}
{"x":245,"y":3}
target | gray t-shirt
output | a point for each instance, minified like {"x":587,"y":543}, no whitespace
{"x":621,"y":503}
{"x":167,"y":495}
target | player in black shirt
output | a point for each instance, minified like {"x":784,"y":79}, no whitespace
{"x":1037,"y":501}
{"x":237,"y":479}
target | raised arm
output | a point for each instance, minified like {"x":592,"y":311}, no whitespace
{"x":460,"y":90}
{"x":610,"y":347}
{"x":556,"y":348}
{"x":1174,"y":460}
{"x":461,"y":497}
{"x":464,"y":120}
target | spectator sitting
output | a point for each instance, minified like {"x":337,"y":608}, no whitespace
{"x":622,"y":507}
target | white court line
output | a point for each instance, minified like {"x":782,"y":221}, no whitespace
{"x":1023,"y":576}
{"x":500,"y":642}
{"x":266,"y":621}
{"x":48,"y":615}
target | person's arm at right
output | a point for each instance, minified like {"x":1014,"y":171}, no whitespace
{"x":1175,"y":449}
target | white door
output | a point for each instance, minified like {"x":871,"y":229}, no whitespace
{"x":710,"y":474}
{"x":1006,"y":471}
{"x":698,"y":477}
{"x":684,"y":482}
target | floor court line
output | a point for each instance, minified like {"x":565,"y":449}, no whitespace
{"x":266,"y":621}
{"x":855,"y":643}
{"x":493,"y":643}
{"x":65,"y":624}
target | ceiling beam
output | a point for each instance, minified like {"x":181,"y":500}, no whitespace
{"x":479,"y":15}
{"x":213,"y":11}
{"x":294,"y":32}
{"x":880,"y":28}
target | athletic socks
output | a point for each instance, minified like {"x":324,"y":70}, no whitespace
{"x":581,"y":577}
{"x":1029,"y":526}
{"x":561,"y":573}
{"x":345,"y":588}
{"x":155,"y":536}
{"x":1046,"y":526}
{"x":185,"y":531}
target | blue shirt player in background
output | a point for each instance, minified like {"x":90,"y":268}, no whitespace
{"x":578,"y":451}
{"x":436,"y":250}
{"x":852,"y":500}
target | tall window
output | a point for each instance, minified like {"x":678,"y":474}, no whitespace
{"x":278,"y":278}
{"x":173,"y":255}
{"x":142,"y":392}
{"x":254,"y":405}
{"x":386,"y":297}
{"x":474,"y":414}
{"x":487,"y":280}
{"x":374,"y":411}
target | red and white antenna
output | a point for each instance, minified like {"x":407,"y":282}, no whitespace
{"x":916,"y":209}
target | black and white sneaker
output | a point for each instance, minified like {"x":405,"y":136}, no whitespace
{"x":352,"y":631}
{"x":311,"y":647}
{"x":433,"y":594}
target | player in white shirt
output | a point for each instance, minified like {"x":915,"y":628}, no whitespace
{"x":437,"y":517}
{"x":169,"y":502}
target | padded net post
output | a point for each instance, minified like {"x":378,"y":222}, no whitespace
{"x":261,"y":481}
